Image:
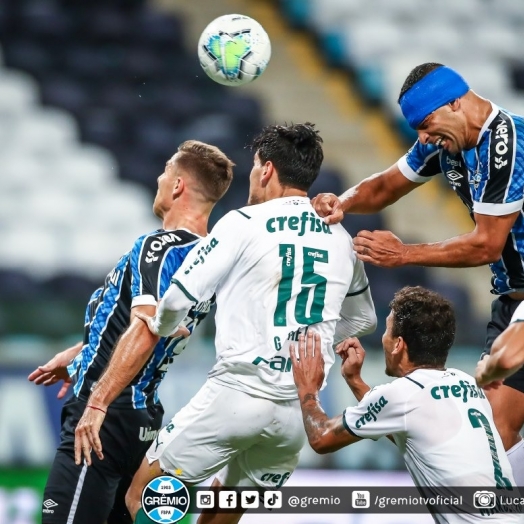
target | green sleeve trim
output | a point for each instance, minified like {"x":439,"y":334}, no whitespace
{"x":349,"y":430}
{"x":184,"y":290}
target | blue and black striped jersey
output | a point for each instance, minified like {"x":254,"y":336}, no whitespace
{"x":140,"y":277}
{"x":489,"y":179}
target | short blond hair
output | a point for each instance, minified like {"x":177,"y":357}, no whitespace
{"x":208,"y":165}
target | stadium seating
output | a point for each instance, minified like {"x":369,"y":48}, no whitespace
{"x":95,"y":97}
{"x":380,"y":41}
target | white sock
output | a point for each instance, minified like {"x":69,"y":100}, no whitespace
{"x":516,"y":459}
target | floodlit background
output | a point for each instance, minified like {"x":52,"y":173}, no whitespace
{"x":96,"y":95}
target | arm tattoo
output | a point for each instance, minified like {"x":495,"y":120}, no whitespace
{"x":314,"y":417}
{"x":308,"y":397}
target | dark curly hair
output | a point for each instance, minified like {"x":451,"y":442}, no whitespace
{"x":416,"y":74}
{"x":426,"y":322}
{"x":295,"y":150}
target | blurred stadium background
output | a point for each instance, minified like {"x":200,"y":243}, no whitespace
{"x":96,"y":95}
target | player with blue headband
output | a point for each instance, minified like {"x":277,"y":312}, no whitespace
{"x":438,"y":88}
{"x":479,"y":148}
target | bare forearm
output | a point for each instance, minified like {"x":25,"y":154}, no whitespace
{"x":462,"y":251}
{"x":324,"y":434}
{"x":314,"y":417}
{"x":376,"y":192}
{"x":507,"y":354}
{"x":496,"y":369}
{"x":131,"y":353}
{"x":362,"y":199}
{"x":358,"y":387}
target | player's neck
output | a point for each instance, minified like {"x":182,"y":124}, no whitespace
{"x":279,"y":191}
{"x":410,"y":369}
{"x":193,"y":218}
{"x":478,"y":109}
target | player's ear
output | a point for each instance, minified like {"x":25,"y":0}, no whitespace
{"x":455,"y":105}
{"x":400,"y":345}
{"x":268,"y":171}
{"x":178,"y":187}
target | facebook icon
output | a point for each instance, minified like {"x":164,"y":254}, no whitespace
{"x":227,"y":499}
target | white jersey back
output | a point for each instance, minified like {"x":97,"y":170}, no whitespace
{"x":275,"y":267}
{"x":443,"y":425}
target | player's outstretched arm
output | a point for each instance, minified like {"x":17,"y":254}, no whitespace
{"x":369,"y":196}
{"x":325,"y":435}
{"x":129,"y":356}
{"x":56,"y":370}
{"x":481,"y":246}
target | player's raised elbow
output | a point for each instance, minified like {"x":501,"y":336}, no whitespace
{"x":321,"y":446}
{"x":491,"y":254}
{"x":366,"y":326}
{"x":370,"y":325}
{"x":487,"y":250}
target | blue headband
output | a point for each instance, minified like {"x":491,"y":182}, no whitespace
{"x":436,"y":89}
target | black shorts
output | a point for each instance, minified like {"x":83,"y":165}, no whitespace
{"x":502,"y":309}
{"x":96,"y":494}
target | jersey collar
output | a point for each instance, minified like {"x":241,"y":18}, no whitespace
{"x":494,"y":112}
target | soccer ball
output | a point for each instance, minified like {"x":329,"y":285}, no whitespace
{"x":234,"y":50}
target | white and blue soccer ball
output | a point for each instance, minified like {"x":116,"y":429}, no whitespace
{"x":234,"y":50}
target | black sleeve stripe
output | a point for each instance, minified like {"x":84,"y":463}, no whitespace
{"x":501,"y":159}
{"x":415,"y":382}
{"x":349,"y":430}
{"x":357,"y":292}
{"x":184,"y":290}
{"x":431,"y":166}
{"x":243,"y":214}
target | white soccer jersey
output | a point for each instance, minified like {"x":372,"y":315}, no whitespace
{"x":443,"y":425}
{"x":275,"y":268}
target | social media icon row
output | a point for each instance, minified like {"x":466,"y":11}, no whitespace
{"x":229,"y":499}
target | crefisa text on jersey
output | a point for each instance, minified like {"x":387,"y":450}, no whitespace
{"x":463,"y":389}
{"x":316,"y":225}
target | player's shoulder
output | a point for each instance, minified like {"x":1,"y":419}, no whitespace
{"x":162,"y":237}
{"x":390,"y":391}
{"x":159,"y":241}
{"x":233,"y":222}
{"x":426,"y":378}
{"x":402,"y":388}
{"x":503,"y":129}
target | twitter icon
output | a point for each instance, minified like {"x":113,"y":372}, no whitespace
{"x":249,"y":499}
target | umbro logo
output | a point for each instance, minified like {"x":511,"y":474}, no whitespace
{"x":48,"y":504}
{"x":453,"y":175}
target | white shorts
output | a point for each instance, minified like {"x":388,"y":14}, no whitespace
{"x":254,"y":441}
